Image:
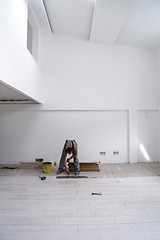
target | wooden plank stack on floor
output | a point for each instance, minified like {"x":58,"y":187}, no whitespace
{"x":85,"y":167}
{"x":31,"y":165}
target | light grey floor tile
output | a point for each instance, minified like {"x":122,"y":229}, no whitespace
{"x":109,"y":228}
{"x":34,"y":230}
{"x":17,"y":237}
{"x":20,"y":213}
{"x":29,"y":221}
{"x":145,"y":204}
{"x":86,"y":220}
{"x":138,"y":219}
{"x":68,"y":236}
{"x":149,"y":227}
{"x":137,"y":236}
{"x":152,"y":210}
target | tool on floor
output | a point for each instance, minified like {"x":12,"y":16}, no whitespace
{"x":96,"y":193}
{"x":70,"y":176}
{"x":42,"y":178}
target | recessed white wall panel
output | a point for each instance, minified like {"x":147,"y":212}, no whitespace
{"x":26,"y":135}
{"x":148,"y":136}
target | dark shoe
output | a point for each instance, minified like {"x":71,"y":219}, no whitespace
{"x":68,"y":172}
{"x":77,"y":173}
{"x":59,"y":171}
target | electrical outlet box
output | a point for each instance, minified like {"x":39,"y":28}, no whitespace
{"x":115,"y":152}
{"x":102,"y":153}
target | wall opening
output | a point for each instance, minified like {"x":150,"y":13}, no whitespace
{"x":32,"y":34}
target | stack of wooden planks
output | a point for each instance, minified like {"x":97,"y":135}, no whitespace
{"x":31,"y":164}
{"x":85,"y":167}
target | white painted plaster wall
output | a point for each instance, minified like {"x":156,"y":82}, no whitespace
{"x":78,"y":75}
{"x":83,"y":75}
{"x":158,"y":67}
{"x":18,"y":67}
{"x":14,"y":13}
{"x":36,"y":134}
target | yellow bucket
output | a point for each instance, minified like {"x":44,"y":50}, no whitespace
{"x":47,"y":167}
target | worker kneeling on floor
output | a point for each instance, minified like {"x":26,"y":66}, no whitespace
{"x":70,"y":147}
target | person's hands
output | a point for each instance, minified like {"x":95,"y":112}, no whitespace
{"x":66,"y":168}
{"x":68,"y":159}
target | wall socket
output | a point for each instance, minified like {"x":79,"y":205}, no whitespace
{"x":102,"y":153}
{"x":115,"y":152}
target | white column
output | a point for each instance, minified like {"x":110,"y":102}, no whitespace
{"x":133,"y":136}
{"x":158,"y":67}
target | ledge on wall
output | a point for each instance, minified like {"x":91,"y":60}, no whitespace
{"x":10,"y":95}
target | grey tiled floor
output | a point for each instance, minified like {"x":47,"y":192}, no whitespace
{"x":31,"y":209}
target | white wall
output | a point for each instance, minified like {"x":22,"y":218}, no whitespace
{"x":108,"y":84}
{"x":36,"y":134}
{"x":158,"y":67}
{"x":13,"y":14}
{"x":148,"y":136}
{"x":83,"y":75}
{"x":18,"y":67}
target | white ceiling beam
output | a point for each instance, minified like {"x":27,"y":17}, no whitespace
{"x":39,"y":10}
{"x":108,"y":20}
{"x":47,"y":16}
{"x":94,"y":4}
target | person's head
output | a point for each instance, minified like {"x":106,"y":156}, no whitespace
{"x":69,"y":150}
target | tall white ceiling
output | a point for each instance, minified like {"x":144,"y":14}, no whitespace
{"x":133,"y":22}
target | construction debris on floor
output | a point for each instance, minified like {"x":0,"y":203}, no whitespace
{"x":42,"y":178}
{"x":96,"y":193}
